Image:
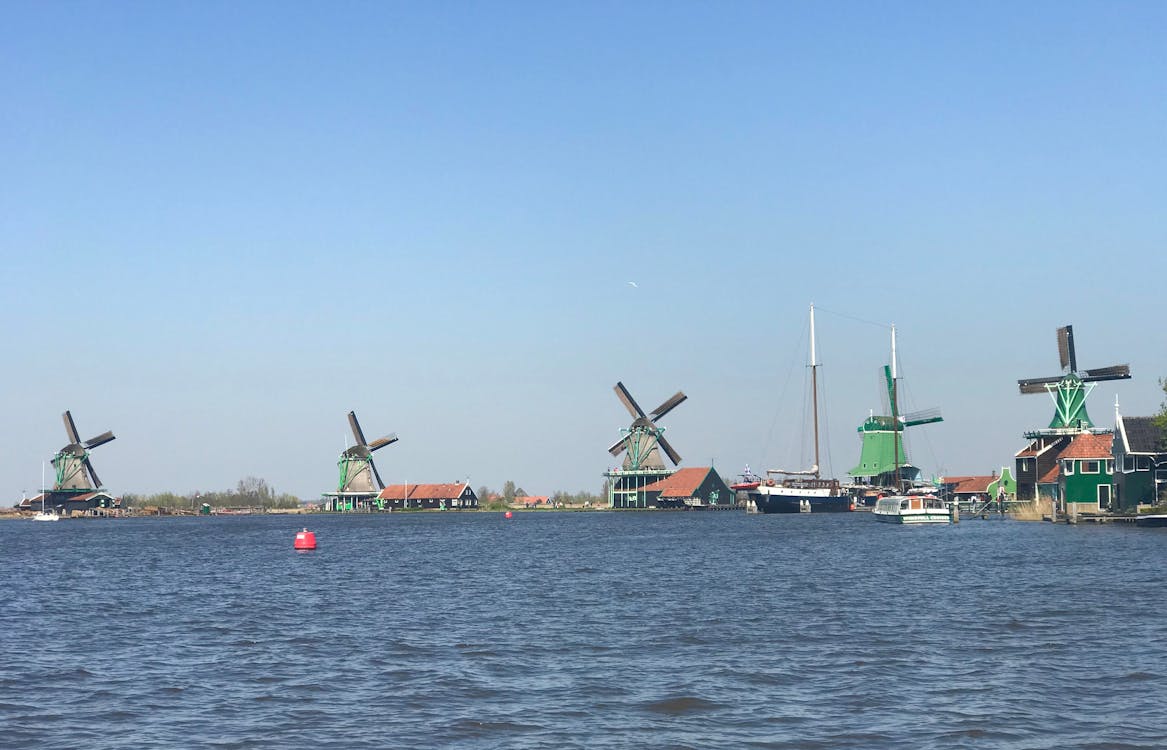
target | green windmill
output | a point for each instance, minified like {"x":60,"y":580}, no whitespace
{"x":883,"y":460}
{"x":1070,"y":389}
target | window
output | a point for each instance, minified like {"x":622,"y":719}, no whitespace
{"x":1143,"y":463}
{"x":1025,"y":464}
{"x":1067,"y":467}
{"x":1161,"y":475}
{"x":1110,"y":466}
{"x":1128,"y":464}
{"x":1090,"y":467}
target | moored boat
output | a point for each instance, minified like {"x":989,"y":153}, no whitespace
{"x":906,"y":509}
{"x":801,"y":495}
{"x":803,"y":491}
{"x":1152,"y":521}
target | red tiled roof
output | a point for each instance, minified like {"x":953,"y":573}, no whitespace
{"x":970,"y":484}
{"x":536,"y":499}
{"x":1027,"y":452}
{"x":1051,"y":476}
{"x":446,"y":491}
{"x":1089,"y":446}
{"x":681,"y":483}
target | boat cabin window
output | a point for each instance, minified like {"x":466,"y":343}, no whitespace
{"x":903,"y":504}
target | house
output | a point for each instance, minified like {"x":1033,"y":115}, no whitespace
{"x":966,"y":490}
{"x":72,"y":503}
{"x":1085,"y":470}
{"x":449,"y":496}
{"x":697,"y":487}
{"x":1034,"y":461}
{"x":1140,"y":462}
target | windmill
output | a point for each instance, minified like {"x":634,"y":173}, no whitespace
{"x":74,"y":470}
{"x":644,"y":439}
{"x":357,"y":470}
{"x":882,"y":456}
{"x":1070,"y":389}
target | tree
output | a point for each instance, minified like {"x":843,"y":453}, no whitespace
{"x":508,"y":491}
{"x":1161,"y":417}
{"x":254,"y":490}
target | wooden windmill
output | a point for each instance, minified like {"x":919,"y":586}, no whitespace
{"x":358,"y":473}
{"x":1070,"y":389}
{"x":644,"y":439}
{"x":74,"y":471}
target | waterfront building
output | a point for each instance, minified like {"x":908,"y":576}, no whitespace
{"x":1085,"y":469}
{"x":447,"y":496}
{"x":1140,"y":462}
{"x":694,"y":487}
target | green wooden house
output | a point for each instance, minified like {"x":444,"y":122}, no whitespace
{"x":1086,"y":470}
{"x":1140,"y":461}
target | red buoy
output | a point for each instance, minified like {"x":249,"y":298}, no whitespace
{"x":507,"y":514}
{"x":305,"y":540}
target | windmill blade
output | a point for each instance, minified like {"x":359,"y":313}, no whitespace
{"x":1034,"y":384}
{"x":619,"y":446}
{"x":382,"y":442}
{"x":70,"y":428}
{"x":101,"y":439}
{"x":376,"y":474}
{"x":352,"y":421}
{"x":358,"y":451}
{"x":1114,"y":372}
{"x":673,"y":455}
{"x":92,"y":474}
{"x":1066,"y":348}
{"x":923,"y":416}
{"x":629,"y":403}
{"x":668,"y":406}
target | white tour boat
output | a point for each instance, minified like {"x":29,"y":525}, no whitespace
{"x":912,"y":509}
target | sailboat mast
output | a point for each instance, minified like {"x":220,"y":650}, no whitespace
{"x":814,"y":393}
{"x":895,"y":415}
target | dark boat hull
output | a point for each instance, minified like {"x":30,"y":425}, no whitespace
{"x":801,"y":504}
{"x":1152,"y":522}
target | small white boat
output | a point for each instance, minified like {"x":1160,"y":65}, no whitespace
{"x":912,"y":509}
{"x":44,"y":515}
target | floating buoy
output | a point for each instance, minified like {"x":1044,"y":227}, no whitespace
{"x":507,"y":514}
{"x":305,"y":540}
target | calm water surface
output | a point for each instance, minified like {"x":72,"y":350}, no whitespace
{"x":581,"y":630}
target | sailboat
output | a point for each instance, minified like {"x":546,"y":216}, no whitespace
{"x":914,"y":507}
{"x":45,"y":515}
{"x":803,"y":491}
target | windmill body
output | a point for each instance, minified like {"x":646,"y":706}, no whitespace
{"x":883,"y":459}
{"x":1037,"y":465}
{"x":644,"y":448}
{"x":359,"y":482}
{"x":76,"y":486}
{"x":1070,"y":389}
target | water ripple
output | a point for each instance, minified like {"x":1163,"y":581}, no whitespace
{"x":605,"y":630}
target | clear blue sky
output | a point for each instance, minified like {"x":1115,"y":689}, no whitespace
{"x":224,"y":225}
